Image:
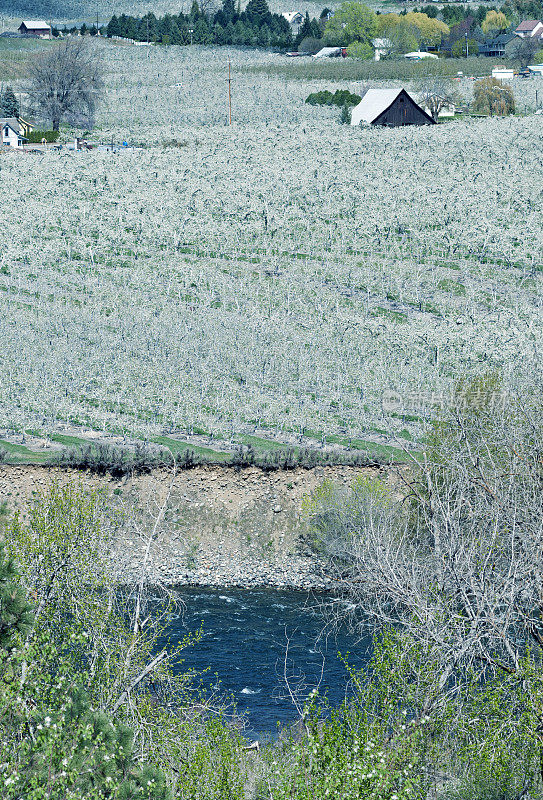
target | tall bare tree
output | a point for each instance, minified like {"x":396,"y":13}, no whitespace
{"x":454,"y":559}
{"x":437,"y":93}
{"x":66,"y":84}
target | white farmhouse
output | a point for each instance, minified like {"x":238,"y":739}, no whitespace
{"x":294,"y":18}
{"x":381,"y":47}
{"x":529,"y":29}
{"x":11,"y":133}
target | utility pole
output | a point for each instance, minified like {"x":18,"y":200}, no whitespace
{"x":229,"y":94}
{"x":466,"y":44}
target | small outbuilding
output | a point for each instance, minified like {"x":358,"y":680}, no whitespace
{"x":330,"y":52}
{"x":391,"y":107}
{"x":419,"y":55}
{"x":33,"y":27}
{"x":503,"y":73}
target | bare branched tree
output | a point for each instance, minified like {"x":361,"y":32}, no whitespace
{"x":66,"y":84}
{"x":453,"y":555}
{"x":437,"y":93}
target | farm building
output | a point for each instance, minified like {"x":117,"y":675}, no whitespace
{"x":392,"y":107}
{"x":418,"y":55}
{"x":35,"y":28}
{"x":330,"y":52}
{"x":501,"y":46}
{"x":381,"y":47}
{"x":11,"y":133}
{"x":503,"y":73}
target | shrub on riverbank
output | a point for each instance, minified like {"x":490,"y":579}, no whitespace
{"x":118,"y":461}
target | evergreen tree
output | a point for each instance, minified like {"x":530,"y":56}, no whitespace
{"x":15,"y":611}
{"x":263,"y":36}
{"x":9,"y":105}
{"x":201,"y":33}
{"x":257,"y":11}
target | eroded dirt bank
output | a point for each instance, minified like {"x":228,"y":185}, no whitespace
{"x":221,"y":527}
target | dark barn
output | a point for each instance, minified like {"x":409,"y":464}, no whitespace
{"x":391,"y":107}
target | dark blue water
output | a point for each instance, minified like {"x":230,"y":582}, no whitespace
{"x":244,"y":649}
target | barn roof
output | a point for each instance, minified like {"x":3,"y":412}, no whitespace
{"x":292,"y":15}
{"x":36,"y":25}
{"x":374,"y":102}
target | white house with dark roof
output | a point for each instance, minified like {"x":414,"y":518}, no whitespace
{"x":33,"y":27}
{"x":11,"y":133}
{"x":294,"y":18}
{"x":529,"y":29}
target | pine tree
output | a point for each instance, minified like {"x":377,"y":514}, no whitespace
{"x":257,"y":10}
{"x":9,"y":105}
{"x":15,"y":610}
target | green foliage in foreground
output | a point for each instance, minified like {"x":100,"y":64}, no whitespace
{"x":80,"y":718}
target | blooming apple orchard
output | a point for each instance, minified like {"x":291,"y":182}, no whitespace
{"x":283,"y":273}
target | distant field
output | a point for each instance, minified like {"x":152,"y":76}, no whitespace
{"x":282,"y":276}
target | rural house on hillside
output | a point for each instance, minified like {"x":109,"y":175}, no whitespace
{"x":35,"y":28}
{"x":529,"y":29}
{"x":501,"y":46}
{"x":11,"y":132}
{"x":392,"y":107}
{"x":294,"y":18}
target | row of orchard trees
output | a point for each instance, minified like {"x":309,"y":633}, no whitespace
{"x":255,"y":26}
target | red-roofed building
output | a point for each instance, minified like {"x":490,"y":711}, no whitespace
{"x":529,"y":29}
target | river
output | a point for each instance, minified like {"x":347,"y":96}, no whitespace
{"x":244,"y":643}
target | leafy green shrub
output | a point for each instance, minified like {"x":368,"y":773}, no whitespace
{"x":36,"y":137}
{"x":322,"y":98}
{"x":341,"y":97}
{"x":360,"y":50}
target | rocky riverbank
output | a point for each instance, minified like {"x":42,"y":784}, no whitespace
{"x":207,"y":526}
